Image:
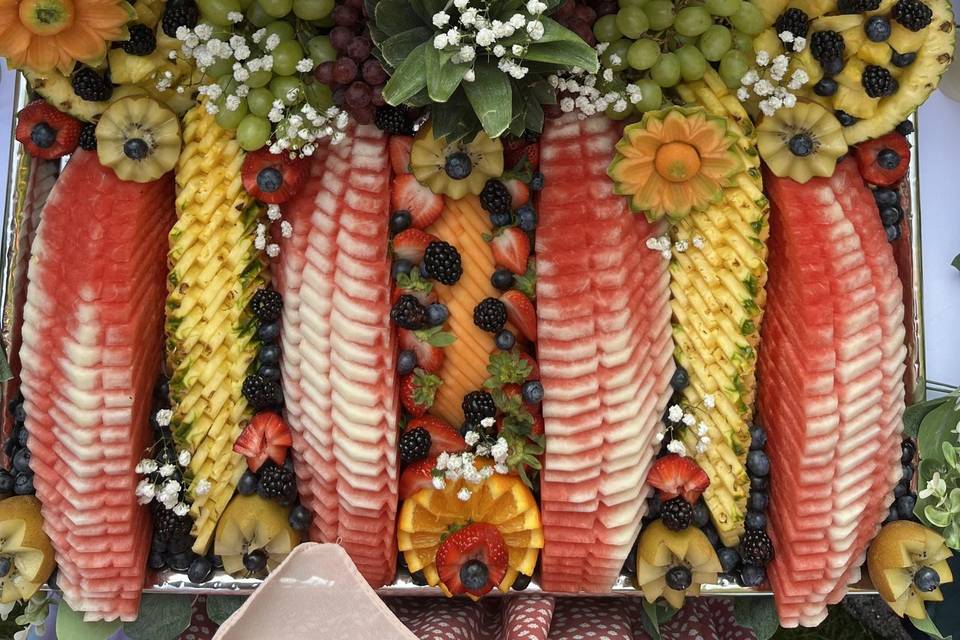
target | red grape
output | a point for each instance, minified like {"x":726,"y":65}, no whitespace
{"x":357,"y":95}
{"x":586,"y":14}
{"x":340,"y":38}
{"x":377,"y":98}
{"x":359,"y":49}
{"x":344,"y":70}
{"x":324,"y":72}
{"x":565,"y":10}
{"x":356,"y":4}
{"x":373,"y":72}
{"x":345,"y":16}
{"x":582,"y":29}
{"x":606,"y":7}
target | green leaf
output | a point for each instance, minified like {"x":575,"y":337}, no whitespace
{"x":70,"y":624}
{"x":5,"y":372}
{"x":436,"y":337}
{"x":443,"y":77}
{"x":936,"y":517}
{"x":396,"y":49}
{"x":219,"y":608}
{"x":759,"y":614}
{"x":562,"y":47}
{"x":954,"y":500}
{"x":955,"y":263}
{"x":394,"y":16}
{"x":654,"y":615}
{"x":409,"y":78}
{"x":533,"y":118}
{"x":162,"y":617}
{"x":928,"y":627}
{"x":489,"y":94}
{"x":935,"y":428}
{"x":454,"y":119}
{"x":915,"y":413}
{"x":949,"y":454}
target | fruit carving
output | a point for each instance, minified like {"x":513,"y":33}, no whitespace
{"x":472,"y":560}
{"x":675,"y":476}
{"x":253,"y":536}
{"x":215,"y":270}
{"x":26,"y":557}
{"x":273,"y":178}
{"x":46,"y":132}
{"x":801,"y":143}
{"x":674,"y":564}
{"x":265,"y":437}
{"x":455,"y":169}
{"x":138,"y":138}
{"x":884,"y":162}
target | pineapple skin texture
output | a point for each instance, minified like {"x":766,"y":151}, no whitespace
{"x":214,"y":270}
{"x":717,"y":297}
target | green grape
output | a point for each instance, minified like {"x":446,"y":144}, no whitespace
{"x":312,"y":9}
{"x":692,"y":63}
{"x":257,"y":16}
{"x":715,"y":42}
{"x":227,"y":83}
{"x":619,"y":115}
{"x":631,"y":3}
{"x":692,"y":21}
{"x":733,"y":66}
{"x":222,"y":67}
{"x":276,"y":8}
{"x":230,"y":119}
{"x":660,"y":13}
{"x":321,"y":50}
{"x":319,"y":95}
{"x":218,"y":31}
{"x":245,"y":4}
{"x":260,"y":101}
{"x":676,"y":41}
{"x":259,"y":78}
{"x":282,"y":28}
{"x":253,"y":132}
{"x":742,"y":42}
{"x":632,"y":22}
{"x":606,"y":29}
{"x":722,"y":8}
{"x":286,"y":56}
{"x":643,"y":54}
{"x":216,"y":11}
{"x":651,"y":95}
{"x":281,"y":87}
{"x":747,"y":19}
{"x":666,"y":72}
{"x":618,"y":49}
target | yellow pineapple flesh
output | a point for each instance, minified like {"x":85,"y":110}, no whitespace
{"x":717,"y":286}
{"x":214,"y":271}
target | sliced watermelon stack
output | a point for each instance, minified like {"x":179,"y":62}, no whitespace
{"x":831,"y":396}
{"x":92,"y":342}
{"x":605,"y":353}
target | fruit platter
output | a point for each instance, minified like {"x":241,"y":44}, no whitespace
{"x":570,"y":296}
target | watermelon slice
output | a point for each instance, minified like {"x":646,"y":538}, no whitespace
{"x":92,"y":345}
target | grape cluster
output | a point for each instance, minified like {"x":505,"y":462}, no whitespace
{"x":356,"y":77}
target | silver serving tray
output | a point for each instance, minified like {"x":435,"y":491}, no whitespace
{"x":224,"y":584}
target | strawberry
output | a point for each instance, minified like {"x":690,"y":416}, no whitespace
{"x":535,"y":368}
{"x":416,"y":476}
{"x":516,"y":390}
{"x":443,"y":437}
{"x":414,"y":285}
{"x":424,"y":205}
{"x":674,"y":475}
{"x":411,"y":244}
{"x":267,"y":436}
{"x":511,"y":248}
{"x":428,"y":346}
{"x":273,"y":178}
{"x":521,"y":314}
{"x":472,"y":560}
{"x":519,"y":192}
{"x":516,"y":150}
{"x":47,"y":132}
{"x":418,"y":391}
{"x":399,"y":152}
{"x":884,"y":161}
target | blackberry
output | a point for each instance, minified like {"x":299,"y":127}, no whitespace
{"x":677,"y":514}
{"x":442,"y":261}
{"x":180,"y":14}
{"x":414,"y":445}
{"x":408,"y":313}
{"x":878,"y":82}
{"x":857,"y":6}
{"x":393,"y":120}
{"x":88,"y":137}
{"x":490,"y":315}
{"x":912,"y":14}
{"x":478,"y":405}
{"x":266,"y":304}
{"x":756,"y":548}
{"x":495,"y":197}
{"x":826,"y":45}
{"x":277,"y":483}
{"x":260,"y":392}
{"x":167,"y":525}
{"x":90,"y":85}
{"x":142,"y":41}
{"x":795,"y":21}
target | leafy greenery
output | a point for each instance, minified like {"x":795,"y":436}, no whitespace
{"x":956,"y":262}
{"x":70,"y":624}
{"x":219,"y":608}
{"x":655,"y":615}
{"x":938,"y":503}
{"x":162,"y":617}
{"x":758,"y":614}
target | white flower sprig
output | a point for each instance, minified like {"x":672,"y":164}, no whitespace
{"x":769,"y":80}
{"x":680,"y":418}
{"x":592,"y":93}
{"x":162,"y":481}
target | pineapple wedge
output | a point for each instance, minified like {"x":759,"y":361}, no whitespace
{"x":717,"y":289}
{"x":214,"y":271}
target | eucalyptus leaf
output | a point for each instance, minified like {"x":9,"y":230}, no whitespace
{"x":70,"y":625}
{"x":563,"y":47}
{"x":915,"y":413}
{"x":928,"y":627}
{"x":758,"y":614}
{"x":490,"y":95}
{"x":954,"y":500}
{"x":219,"y":608}
{"x":955,"y":263}
{"x":651,"y":623}
{"x":937,"y":517}
{"x":409,"y":78}
{"x":395,"y":49}
{"x":952,"y":535}
{"x":162,"y":617}
{"x":935,"y":428}
{"x":949,"y":454}
{"x":443,"y":76}
{"x":395,"y":16}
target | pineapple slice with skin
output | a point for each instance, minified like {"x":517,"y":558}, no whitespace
{"x":214,"y":271}
{"x":717,"y":299}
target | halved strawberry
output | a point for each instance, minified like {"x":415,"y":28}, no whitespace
{"x":472,"y":560}
{"x":273,"y":178}
{"x":516,"y":150}
{"x":418,"y":391}
{"x":674,"y":475}
{"x":411,"y":244}
{"x":267,"y":436}
{"x":416,"y":476}
{"x":511,"y":248}
{"x":443,"y":437}
{"x":47,"y":132}
{"x":399,"y":151}
{"x":424,"y":205}
{"x":427,"y":344}
{"x":519,"y":193}
{"x":521,"y":313}
{"x":535,"y":368}
{"x":884,"y":161}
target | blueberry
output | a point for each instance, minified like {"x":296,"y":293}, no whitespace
{"x":902,"y":60}
{"x":424,"y":272}
{"x":501,"y":218}
{"x":630,"y":564}
{"x":755,"y":520}
{"x":801,"y":145}
{"x":20,"y":414}
{"x":758,"y":501}
{"x":465,"y":427}
{"x":255,"y":561}
{"x":217,"y":561}
{"x":300,"y":518}
{"x":701,"y":515}
{"x":406,"y":362}
{"x":832,"y":66}
{"x":926,"y":579}
{"x":437,"y":314}
{"x":52,"y":580}
{"x":43,"y":135}
{"x":906,"y":472}
{"x":474,"y":574}
{"x":845,"y":118}
{"x":892,"y":516}
{"x":180,"y":561}
{"x":400,"y":221}
{"x":269,"y":332}
{"x":908,"y":450}
{"x":156,"y":561}
{"x":905,"y":505}
{"x":5,"y":565}
{"x":886,"y":197}
{"x":758,"y":438}
{"x":506,"y":340}
{"x":10,"y":446}
{"x":21,"y":460}
{"x":418,"y":578}
{"x":247,"y":485}
{"x":891,"y":215}
{"x":900,"y":490}
{"x":400,"y":265}
{"x":679,"y":577}
{"x":6,"y":482}
{"x":527,"y":218}
{"x":179,"y":544}
{"x":905,"y":128}
{"x":538,"y":181}
{"x":269,"y":372}
{"x":711,"y":534}
{"x":137,"y":149}
{"x":893,"y":232}
{"x":653,"y":506}
{"x":877,"y":28}
{"x":521,"y":583}
{"x":888,"y":159}
{"x":532,"y":392}
{"x":759,"y":484}
{"x":752,"y":575}
{"x":729,"y":558}
{"x":23,"y":485}
{"x":269,"y":179}
{"x":458,"y":165}
{"x":680,"y":379}
{"x":200,"y":570}
{"x":269,"y":354}
{"x":502,"y":279}
{"x":758,"y":464}
{"x":724,"y":578}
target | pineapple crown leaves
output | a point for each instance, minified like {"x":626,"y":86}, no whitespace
{"x":480,"y":63}
{"x":506,"y":367}
{"x":435,"y":337}
{"x":425,"y":387}
{"x":414,"y":282}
